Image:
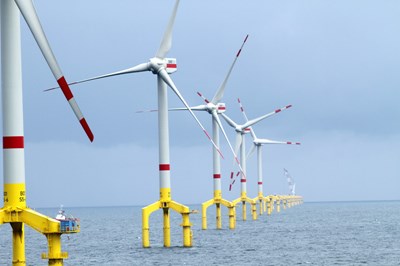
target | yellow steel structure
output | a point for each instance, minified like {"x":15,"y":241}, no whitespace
{"x":278,"y":203}
{"x":270,"y":202}
{"x":244,"y":198}
{"x":218,"y":201}
{"x":165,"y":203}
{"x":287,"y":201}
{"x":262,"y":202}
{"x":16,"y":213}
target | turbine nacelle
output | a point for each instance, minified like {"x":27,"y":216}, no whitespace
{"x":217,"y":108}
{"x":221,"y":108}
{"x":156,"y":64}
{"x":242,"y":130}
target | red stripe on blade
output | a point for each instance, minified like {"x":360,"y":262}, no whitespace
{"x":13,"y":142}
{"x":87,"y":129}
{"x":217,"y":176}
{"x":165,"y":167}
{"x":277,"y":111}
{"x":65,"y":88}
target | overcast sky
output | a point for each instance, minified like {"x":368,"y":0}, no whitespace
{"x":337,"y":63}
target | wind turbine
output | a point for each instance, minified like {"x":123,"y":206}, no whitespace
{"x":214,"y":108}
{"x":241,"y":130}
{"x":257,"y":144}
{"x":162,"y":67}
{"x":293,"y":199}
{"x":15,"y":210}
{"x":290,"y":181}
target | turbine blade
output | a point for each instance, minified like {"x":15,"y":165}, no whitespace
{"x":229,"y":121}
{"x":233,"y":180}
{"x":204,"y":98}
{"x":166,"y":42}
{"x":215,"y":116}
{"x":242,"y":110}
{"x":268,"y":141}
{"x":251,"y":152}
{"x":238,"y":141}
{"x":167,"y":79}
{"x":147,"y":111}
{"x":253,"y":134}
{"x":29,"y":13}
{"x":256,"y":120}
{"x":220,"y":92}
{"x":194,"y":108}
{"x":138,"y":68}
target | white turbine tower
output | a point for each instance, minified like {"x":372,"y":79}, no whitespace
{"x":214,"y":108}
{"x":241,"y":130}
{"x":257,"y":144}
{"x":15,"y":210}
{"x":162,"y":67}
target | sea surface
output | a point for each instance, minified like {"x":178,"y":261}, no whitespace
{"x":334,"y":233}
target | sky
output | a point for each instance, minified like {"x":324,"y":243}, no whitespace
{"x":336,"y":62}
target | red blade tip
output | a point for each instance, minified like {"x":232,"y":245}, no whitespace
{"x":87,"y":129}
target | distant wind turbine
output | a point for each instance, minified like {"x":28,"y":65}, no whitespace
{"x":257,"y":144}
{"x":241,"y":130}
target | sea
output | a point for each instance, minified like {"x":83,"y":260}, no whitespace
{"x":318,"y":233}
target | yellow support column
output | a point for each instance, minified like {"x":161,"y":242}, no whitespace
{"x":218,"y":218}
{"x":278,"y":204}
{"x":187,"y":232}
{"x":265,"y":204}
{"x":254,"y":210}
{"x":146,"y":211}
{"x":269,"y":205}
{"x":55,"y":256}
{"x":204,"y":208}
{"x":231,"y":212}
{"x":18,"y":244}
{"x":260,"y":200}
{"x":166,"y":228}
{"x":232,"y":218}
{"x":244,"y":211}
